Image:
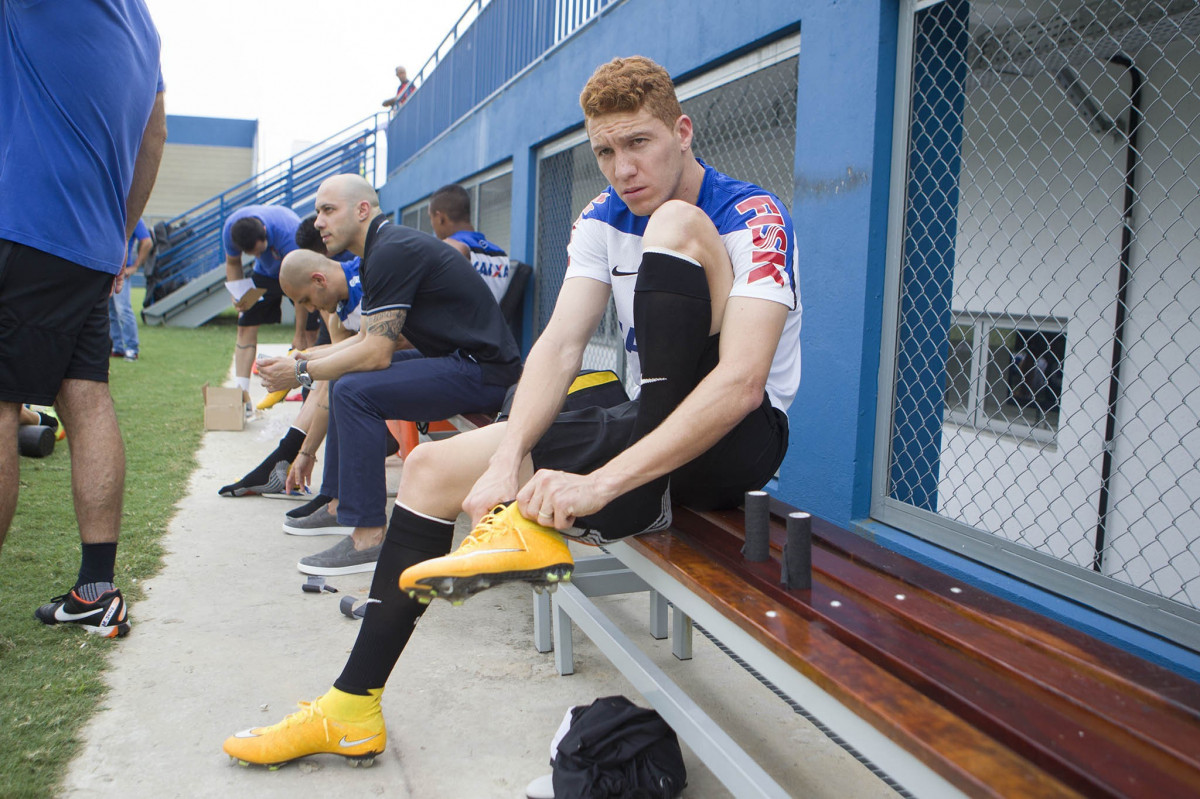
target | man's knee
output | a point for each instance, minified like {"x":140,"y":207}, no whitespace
{"x":424,"y":465}
{"x":351,"y":390}
{"x":682,"y":227}
{"x":10,"y":414}
{"x":84,"y":403}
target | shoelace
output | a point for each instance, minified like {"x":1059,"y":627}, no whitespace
{"x":307,"y":712}
{"x":488,"y":526}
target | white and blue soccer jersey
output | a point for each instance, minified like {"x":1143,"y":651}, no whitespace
{"x":349,"y":310}
{"x":489,"y":261}
{"x":606,"y":245}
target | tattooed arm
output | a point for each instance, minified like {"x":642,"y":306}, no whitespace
{"x":368,"y":352}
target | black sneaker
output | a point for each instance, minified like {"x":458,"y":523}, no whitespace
{"x":105,"y":617}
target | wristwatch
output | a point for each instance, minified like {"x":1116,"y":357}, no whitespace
{"x":302,"y":375}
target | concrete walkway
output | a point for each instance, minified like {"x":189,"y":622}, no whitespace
{"x":226,"y":640}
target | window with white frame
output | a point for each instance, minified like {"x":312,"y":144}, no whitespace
{"x":1004,"y":374}
{"x":491,"y":206}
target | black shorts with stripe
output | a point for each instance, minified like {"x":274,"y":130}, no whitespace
{"x":745,"y":459}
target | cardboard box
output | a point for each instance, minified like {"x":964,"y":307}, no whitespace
{"x":223,"y":408}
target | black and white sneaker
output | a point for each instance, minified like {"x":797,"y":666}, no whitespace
{"x":106,"y":617}
{"x":274,"y":484}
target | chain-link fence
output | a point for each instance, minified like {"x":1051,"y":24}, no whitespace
{"x":746,"y":128}
{"x":1047,"y":352}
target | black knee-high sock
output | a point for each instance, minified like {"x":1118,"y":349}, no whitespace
{"x":288,"y":447}
{"x":388,"y":623}
{"x":671,"y":315}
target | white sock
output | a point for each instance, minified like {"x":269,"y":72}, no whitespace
{"x":243,"y":383}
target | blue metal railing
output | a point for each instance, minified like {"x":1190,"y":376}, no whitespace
{"x":492,"y":42}
{"x":194,"y":237}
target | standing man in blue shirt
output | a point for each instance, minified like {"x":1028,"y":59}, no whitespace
{"x":82,"y":130}
{"x":266,"y":232}
{"x":122,"y":323}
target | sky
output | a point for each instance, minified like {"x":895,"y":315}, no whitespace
{"x":304,"y":69}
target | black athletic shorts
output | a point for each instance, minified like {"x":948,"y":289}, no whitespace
{"x":269,"y":308}
{"x":53,"y":324}
{"x":745,"y":459}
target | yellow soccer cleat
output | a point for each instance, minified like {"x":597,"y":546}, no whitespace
{"x":337,"y":723}
{"x":503,"y":547}
{"x":271,"y":399}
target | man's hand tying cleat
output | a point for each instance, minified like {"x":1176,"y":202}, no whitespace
{"x":555,"y":499}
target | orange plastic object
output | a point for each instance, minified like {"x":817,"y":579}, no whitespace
{"x":406,"y":433}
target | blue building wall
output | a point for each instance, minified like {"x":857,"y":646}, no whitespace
{"x":211,"y":131}
{"x":846,"y":80}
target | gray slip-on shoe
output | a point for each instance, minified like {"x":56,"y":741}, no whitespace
{"x":319,"y":522}
{"x":341,"y":558}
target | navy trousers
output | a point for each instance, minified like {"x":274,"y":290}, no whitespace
{"x":415,"y":389}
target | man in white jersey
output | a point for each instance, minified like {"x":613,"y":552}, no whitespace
{"x":701,"y":267}
{"x":450,"y":218}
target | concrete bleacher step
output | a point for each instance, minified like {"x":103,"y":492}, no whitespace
{"x":192,"y":304}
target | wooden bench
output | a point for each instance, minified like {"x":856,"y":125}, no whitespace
{"x":944,"y":687}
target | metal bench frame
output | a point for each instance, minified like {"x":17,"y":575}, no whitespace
{"x":625,"y":570}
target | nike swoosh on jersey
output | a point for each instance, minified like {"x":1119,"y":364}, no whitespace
{"x":347,"y":744}
{"x":617,"y":273}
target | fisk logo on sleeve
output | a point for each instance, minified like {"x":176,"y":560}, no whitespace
{"x":770,"y":234}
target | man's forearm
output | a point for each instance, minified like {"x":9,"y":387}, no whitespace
{"x":320,"y":420}
{"x":704,"y":417}
{"x":233,"y":269}
{"x":715,"y":406}
{"x":365,"y":355}
{"x":145,"y":170}
{"x":325,"y":350}
{"x":143,"y":254}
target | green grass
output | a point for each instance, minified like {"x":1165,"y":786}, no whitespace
{"x":51,"y":678}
